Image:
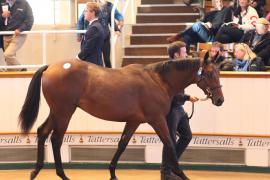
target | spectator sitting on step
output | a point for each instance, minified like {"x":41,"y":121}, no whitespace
{"x":259,"y":40}
{"x":244,"y":19}
{"x":205,"y":31}
{"x":246,"y":60}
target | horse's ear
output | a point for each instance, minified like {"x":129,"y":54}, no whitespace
{"x":205,"y":58}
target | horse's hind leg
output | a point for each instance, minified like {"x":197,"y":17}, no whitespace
{"x":42,"y":134}
{"x":126,"y":135}
{"x":57,"y":139}
{"x":61,"y":122}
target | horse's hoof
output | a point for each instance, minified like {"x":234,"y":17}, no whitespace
{"x":114,"y":178}
{"x":33,"y":175}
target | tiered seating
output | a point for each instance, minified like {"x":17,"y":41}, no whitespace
{"x":156,"y":21}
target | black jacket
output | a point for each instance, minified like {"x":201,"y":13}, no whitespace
{"x":92,"y":43}
{"x":180,"y":99}
{"x":218,"y":17}
{"x":21,"y":17}
{"x":262,"y":48}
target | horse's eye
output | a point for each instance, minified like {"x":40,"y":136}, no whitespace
{"x":209,"y":75}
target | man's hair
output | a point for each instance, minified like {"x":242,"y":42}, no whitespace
{"x":174,"y":48}
{"x":93,"y":6}
{"x":219,"y":45}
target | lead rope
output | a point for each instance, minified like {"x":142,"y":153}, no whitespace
{"x":192,"y":110}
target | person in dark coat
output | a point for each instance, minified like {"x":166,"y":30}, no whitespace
{"x":17,"y":16}
{"x":92,"y":43}
{"x":177,"y":120}
{"x":205,"y":30}
{"x":259,"y":40}
{"x":105,"y":20}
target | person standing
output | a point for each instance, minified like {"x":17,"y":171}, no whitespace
{"x":177,"y":120}
{"x":93,"y":40}
{"x":105,"y":20}
{"x":16,"y":16}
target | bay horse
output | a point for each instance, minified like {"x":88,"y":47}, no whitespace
{"x":133,"y":94}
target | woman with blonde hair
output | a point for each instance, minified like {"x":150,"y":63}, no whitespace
{"x":246,"y":59}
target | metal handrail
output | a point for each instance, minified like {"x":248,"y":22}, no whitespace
{"x":113,"y":36}
{"x":44,"y":44}
{"x":45,"y":32}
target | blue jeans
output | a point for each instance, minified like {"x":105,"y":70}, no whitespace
{"x":202,"y":32}
{"x":177,"y":121}
{"x":196,"y":33}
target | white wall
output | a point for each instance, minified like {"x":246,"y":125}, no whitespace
{"x":245,"y":110}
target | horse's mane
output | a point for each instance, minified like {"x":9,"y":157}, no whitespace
{"x":178,"y":64}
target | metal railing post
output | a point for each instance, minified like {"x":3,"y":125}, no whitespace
{"x":112,"y":41}
{"x":44,"y":48}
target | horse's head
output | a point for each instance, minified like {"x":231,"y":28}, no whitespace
{"x":209,"y":82}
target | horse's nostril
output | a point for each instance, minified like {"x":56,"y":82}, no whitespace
{"x":219,"y":102}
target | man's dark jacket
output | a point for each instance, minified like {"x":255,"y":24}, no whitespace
{"x":21,"y":17}
{"x":92,"y":43}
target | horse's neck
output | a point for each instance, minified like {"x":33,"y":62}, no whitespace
{"x":178,"y":81}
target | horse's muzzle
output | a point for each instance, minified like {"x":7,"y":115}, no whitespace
{"x":218,"y":102}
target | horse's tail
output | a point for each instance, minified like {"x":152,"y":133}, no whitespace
{"x":29,"y":112}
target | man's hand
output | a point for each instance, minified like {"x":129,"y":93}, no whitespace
{"x":79,"y":38}
{"x":5,"y":14}
{"x":120,"y":24}
{"x":208,"y":25}
{"x":193,"y":99}
{"x":17,"y":32}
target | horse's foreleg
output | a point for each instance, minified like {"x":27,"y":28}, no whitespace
{"x":129,"y":130}
{"x":161,"y":128}
{"x":42,"y":134}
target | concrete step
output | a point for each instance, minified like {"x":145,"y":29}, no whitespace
{"x":165,"y":1}
{"x":146,"y":50}
{"x":166,"y":18}
{"x":166,"y":8}
{"x":140,"y":39}
{"x":142,"y":59}
{"x":159,"y":28}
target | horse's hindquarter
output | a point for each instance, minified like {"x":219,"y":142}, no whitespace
{"x":63,"y":83}
{"x":122,"y":94}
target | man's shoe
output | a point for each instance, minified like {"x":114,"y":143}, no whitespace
{"x":173,"y":38}
{"x":169,"y":175}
